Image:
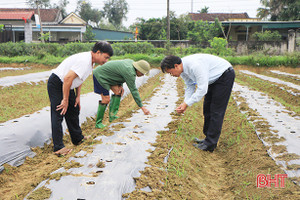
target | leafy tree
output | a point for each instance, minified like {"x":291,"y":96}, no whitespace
{"x":163,"y":35}
{"x":89,"y":35}
{"x":178,"y":26}
{"x":279,"y":10}
{"x":45,"y":36}
{"x":115,"y":11}
{"x":92,"y":16}
{"x":267,"y":36}
{"x":42,"y":3}
{"x":204,"y":31}
{"x":155,"y":28}
{"x":203,"y":10}
{"x":104,"y":24}
{"x":62,"y":4}
{"x":219,"y":47}
{"x":150,"y":29}
{"x":1,"y":27}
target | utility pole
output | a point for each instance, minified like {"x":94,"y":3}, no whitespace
{"x":41,"y":28}
{"x":191,"y":6}
{"x":168,"y":20}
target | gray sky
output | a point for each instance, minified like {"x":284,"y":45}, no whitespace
{"x":158,"y":8}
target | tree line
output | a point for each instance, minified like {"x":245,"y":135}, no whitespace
{"x":182,"y":27}
{"x":114,"y":12}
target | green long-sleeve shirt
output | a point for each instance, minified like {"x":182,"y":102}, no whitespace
{"x":118,"y":72}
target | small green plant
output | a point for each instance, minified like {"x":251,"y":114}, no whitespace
{"x":89,"y":35}
{"x":1,"y":27}
{"x":45,"y":36}
{"x":267,"y":36}
{"x":219,"y":47}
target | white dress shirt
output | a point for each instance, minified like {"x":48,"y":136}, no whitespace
{"x":201,"y":70}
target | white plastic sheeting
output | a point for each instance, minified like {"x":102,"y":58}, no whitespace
{"x":282,"y":124}
{"x":26,"y":78}
{"x":274,"y":80}
{"x":17,"y":136}
{"x":286,"y":74}
{"x":13,"y":68}
{"x":124,"y":153}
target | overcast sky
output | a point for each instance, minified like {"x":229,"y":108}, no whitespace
{"x":158,"y":8}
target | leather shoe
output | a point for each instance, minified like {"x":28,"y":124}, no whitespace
{"x":197,"y":140}
{"x":204,"y":147}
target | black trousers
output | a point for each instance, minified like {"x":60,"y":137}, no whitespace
{"x":55,"y":92}
{"x":215,"y":104}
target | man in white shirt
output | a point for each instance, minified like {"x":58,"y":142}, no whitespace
{"x":65,"y":102}
{"x":214,"y":77}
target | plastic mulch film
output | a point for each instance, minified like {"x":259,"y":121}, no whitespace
{"x":19,"y":135}
{"x":282,"y":125}
{"x":124,"y":153}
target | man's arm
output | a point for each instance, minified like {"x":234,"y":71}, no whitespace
{"x":201,"y":76}
{"x":68,"y":80}
{"x":77,"y":101}
{"x":130,"y":81}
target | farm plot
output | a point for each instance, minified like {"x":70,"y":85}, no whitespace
{"x":277,"y":126}
{"x":19,"y":135}
{"x":174,"y":169}
{"x":21,"y":69}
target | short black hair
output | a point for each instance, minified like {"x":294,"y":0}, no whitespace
{"x":103,"y":47}
{"x":168,"y":62}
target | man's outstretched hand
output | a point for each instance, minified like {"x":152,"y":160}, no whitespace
{"x":181,"y":108}
{"x":145,"y":110}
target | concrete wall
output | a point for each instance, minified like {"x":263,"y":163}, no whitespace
{"x":28,"y":32}
{"x":242,"y":47}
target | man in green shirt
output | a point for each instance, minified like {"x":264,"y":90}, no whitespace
{"x":112,"y":75}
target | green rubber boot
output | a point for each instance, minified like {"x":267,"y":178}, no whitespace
{"x":114,"y":107}
{"x":100,"y":114}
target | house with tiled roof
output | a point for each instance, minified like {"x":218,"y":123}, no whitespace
{"x":23,"y":25}
{"x":221,"y":16}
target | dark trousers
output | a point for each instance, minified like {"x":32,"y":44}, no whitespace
{"x":215,"y":104}
{"x":55,"y":92}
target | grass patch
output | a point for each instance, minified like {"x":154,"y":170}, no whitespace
{"x":41,"y":193}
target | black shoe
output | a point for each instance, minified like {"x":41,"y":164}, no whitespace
{"x":204,"y":147}
{"x":197,"y":140}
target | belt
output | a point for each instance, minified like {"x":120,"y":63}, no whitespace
{"x":228,"y":70}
